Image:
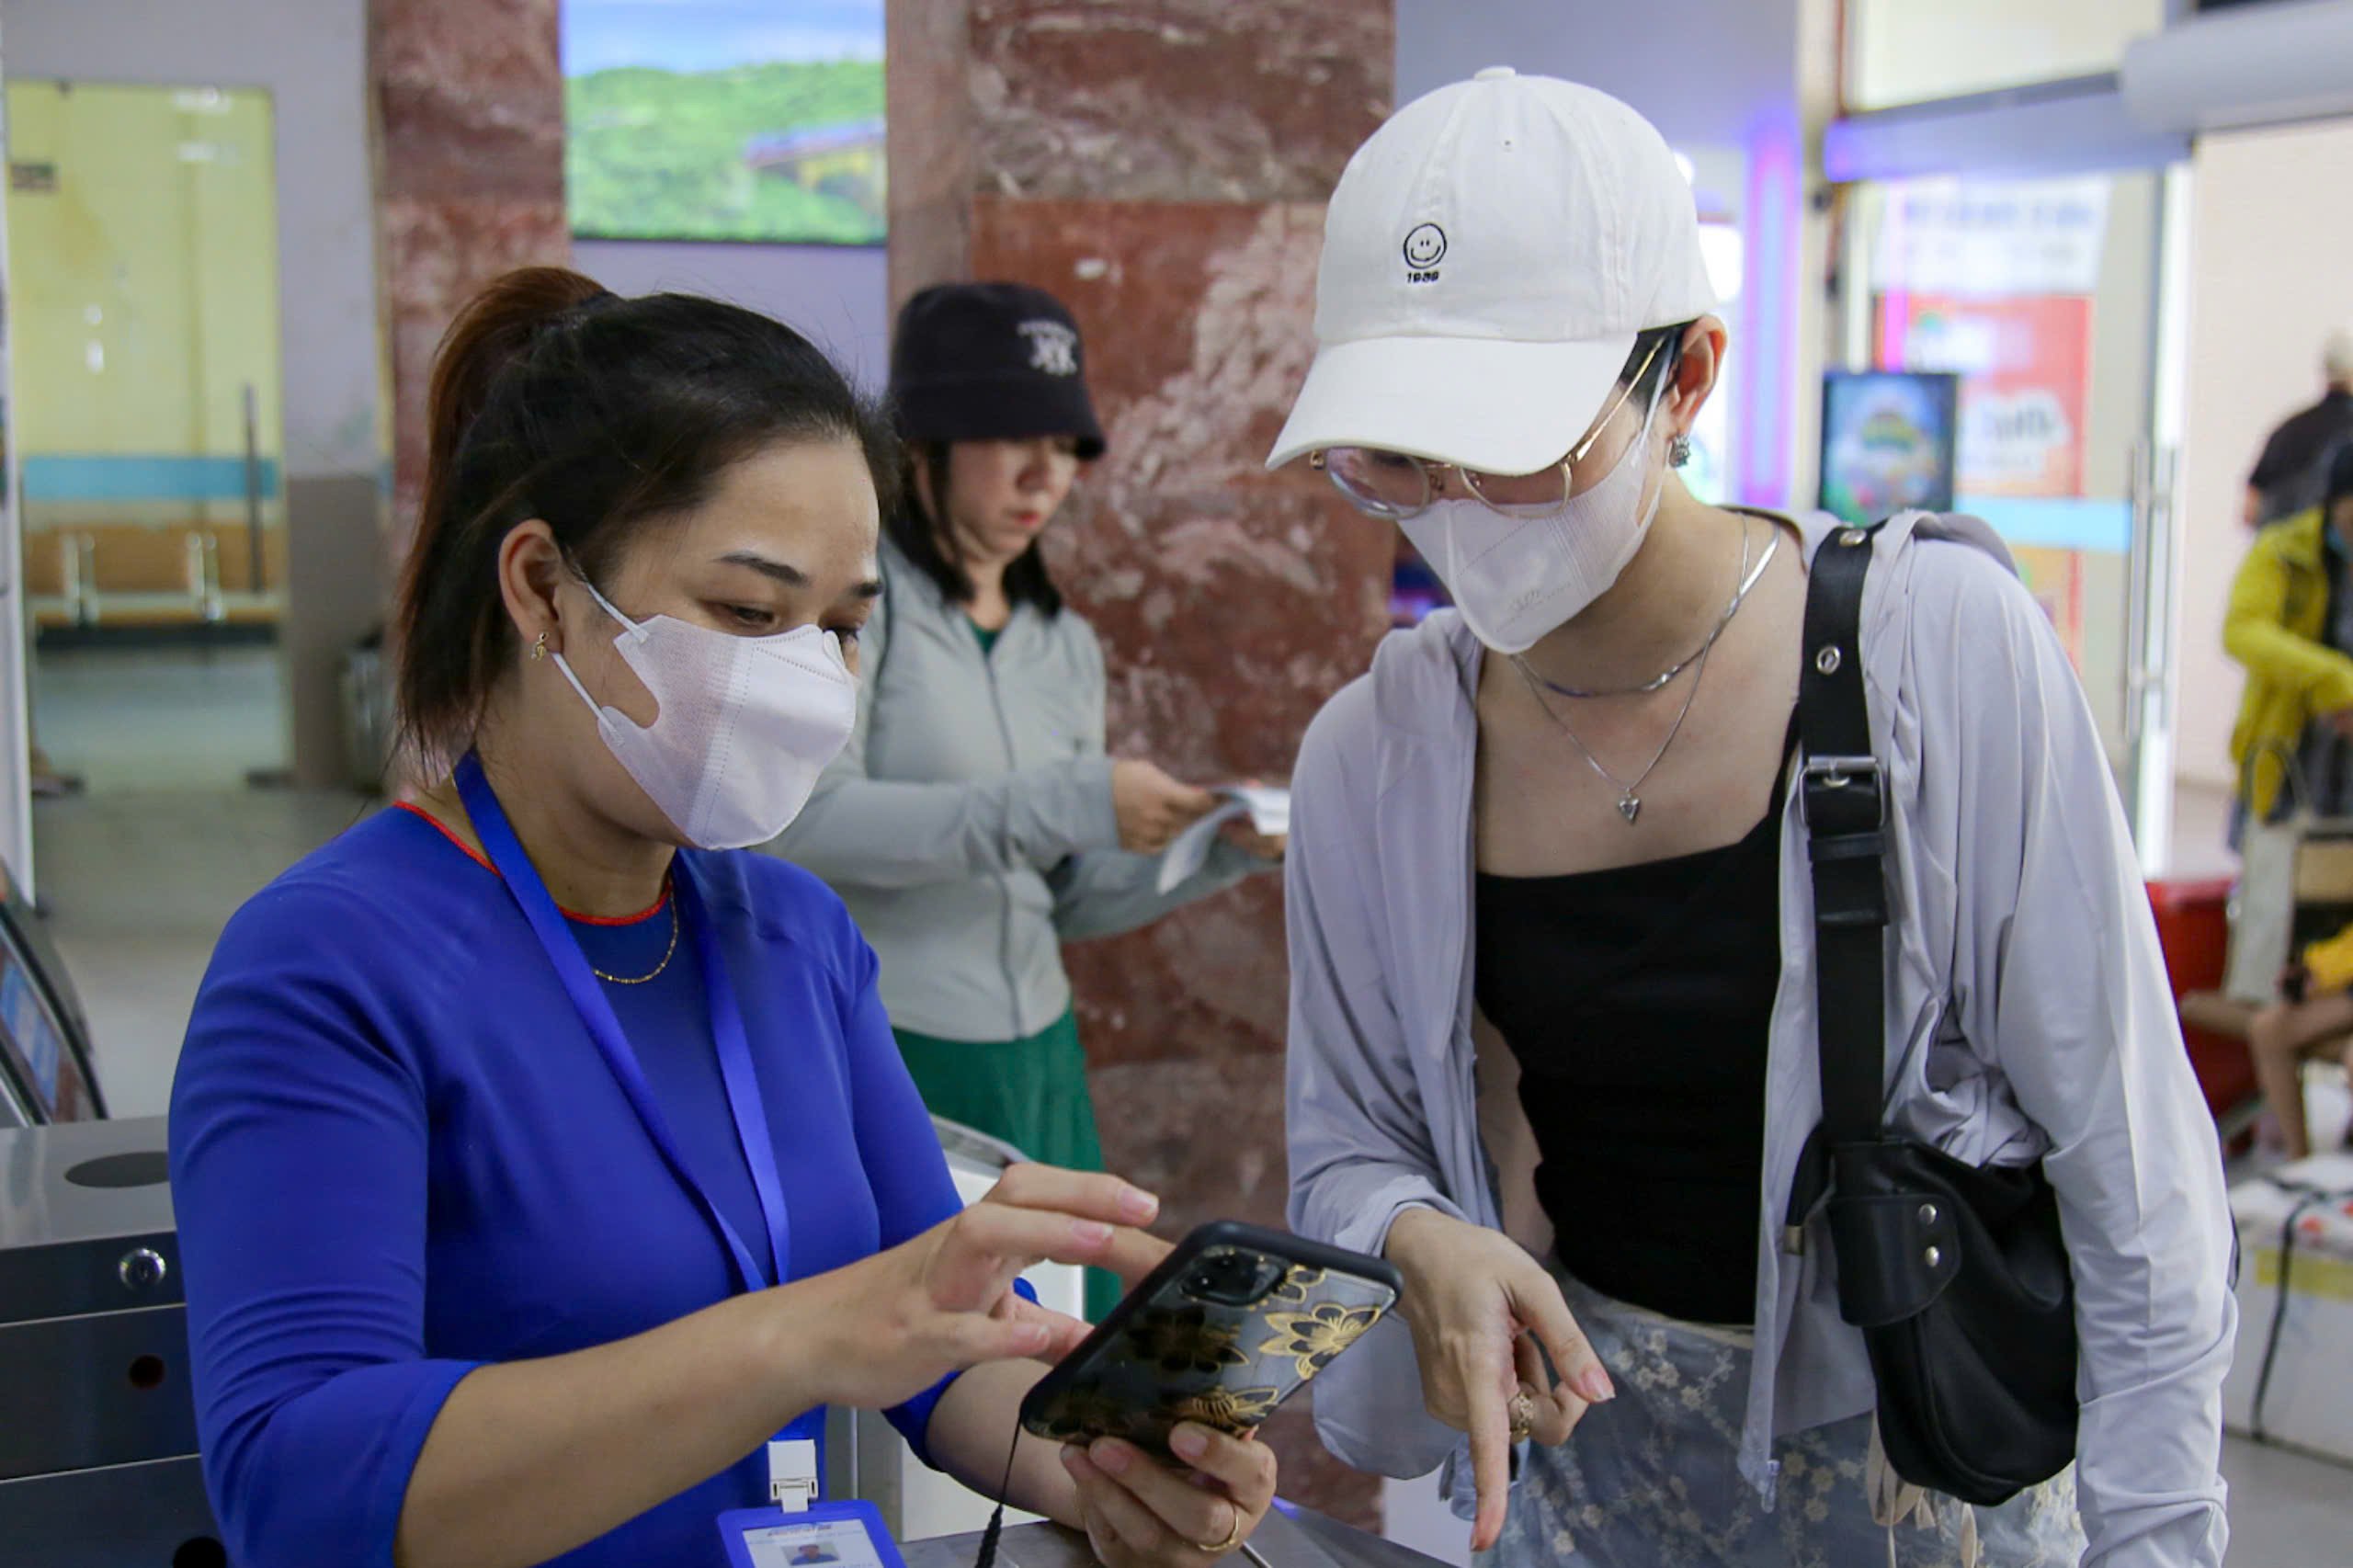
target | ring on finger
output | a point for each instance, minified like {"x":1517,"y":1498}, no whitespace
{"x":1523,"y":1415}
{"x":1233,"y":1538}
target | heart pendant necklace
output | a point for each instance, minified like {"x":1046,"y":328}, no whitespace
{"x":1629,"y":795}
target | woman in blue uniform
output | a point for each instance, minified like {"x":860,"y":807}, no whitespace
{"x":535,"y":1161}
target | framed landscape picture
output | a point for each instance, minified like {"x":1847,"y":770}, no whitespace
{"x":724,"y":119}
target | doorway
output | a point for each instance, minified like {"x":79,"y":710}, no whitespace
{"x":142,"y":246}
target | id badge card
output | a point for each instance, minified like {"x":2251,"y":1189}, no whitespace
{"x":828,"y":1534}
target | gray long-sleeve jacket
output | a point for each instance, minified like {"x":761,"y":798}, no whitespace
{"x":2028,"y":1017}
{"x":969,"y":825}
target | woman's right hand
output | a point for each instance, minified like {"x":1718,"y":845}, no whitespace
{"x":1153,"y":807}
{"x":1479,"y":1307}
{"x":881,"y":1331}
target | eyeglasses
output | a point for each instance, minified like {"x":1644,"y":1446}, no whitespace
{"x":1396,"y":485}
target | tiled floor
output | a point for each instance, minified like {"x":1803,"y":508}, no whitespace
{"x":2288,"y":1511}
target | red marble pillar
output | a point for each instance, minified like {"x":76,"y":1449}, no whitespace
{"x":1160,"y":165}
{"x":468,"y":98}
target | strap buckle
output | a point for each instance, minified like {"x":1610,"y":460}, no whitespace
{"x":1844,"y":795}
{"x":1846,"y":814}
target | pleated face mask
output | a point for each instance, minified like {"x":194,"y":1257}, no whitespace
{"x":1515,"y":578}
{"x":744,"y":726}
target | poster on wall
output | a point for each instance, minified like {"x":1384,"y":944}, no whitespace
{"x":1887,"y":443}
{"x":724,"y":119}
{"x":2025,"y":369}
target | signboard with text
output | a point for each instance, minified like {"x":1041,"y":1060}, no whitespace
{"x":2025,"y":369}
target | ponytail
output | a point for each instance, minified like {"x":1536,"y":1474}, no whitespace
{"x":490,"y":333}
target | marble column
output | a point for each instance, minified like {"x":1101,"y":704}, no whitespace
{"x":1160,"y":165}
{"x":469,"y":100}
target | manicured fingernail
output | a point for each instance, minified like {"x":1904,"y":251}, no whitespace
{"x":1141,"y":1208}
{"x":1595,"y":1385}
{"x":1090,"y":1232}
{"x":1189,"y":1442}
{"x":1109,"y":1456}
{"x":1073,"y":1458}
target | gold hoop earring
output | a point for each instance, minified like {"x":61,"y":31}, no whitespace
{"x":539,"y":648}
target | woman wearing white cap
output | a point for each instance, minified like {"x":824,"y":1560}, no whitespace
{"x":1551,"y":916}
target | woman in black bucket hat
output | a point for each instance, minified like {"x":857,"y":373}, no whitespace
{"x":974,"y":825}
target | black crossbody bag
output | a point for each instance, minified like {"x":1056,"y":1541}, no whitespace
{"x":1957,"y":1275}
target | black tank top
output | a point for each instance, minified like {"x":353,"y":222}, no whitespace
{"x":1638,"y":1001}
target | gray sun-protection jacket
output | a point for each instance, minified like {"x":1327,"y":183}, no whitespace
{"x":969,"y":825}
{"x":2028,"y":1017}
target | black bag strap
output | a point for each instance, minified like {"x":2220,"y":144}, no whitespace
{"x":1844,"y":797}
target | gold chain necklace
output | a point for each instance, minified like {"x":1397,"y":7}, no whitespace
{"x":670,"y":898}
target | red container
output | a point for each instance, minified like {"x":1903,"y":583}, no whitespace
{"x":2194,"y":928}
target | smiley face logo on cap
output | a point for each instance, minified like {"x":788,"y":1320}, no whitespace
{"x":1426,"y":248}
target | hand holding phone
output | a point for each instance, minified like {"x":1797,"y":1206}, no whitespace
{"x":1233,"y":1322}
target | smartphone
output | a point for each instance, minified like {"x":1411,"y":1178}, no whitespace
{"x":1233,"y":1322}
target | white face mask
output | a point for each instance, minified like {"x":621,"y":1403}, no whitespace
{"x":744,"y":727}
{"x":1517,"y":578}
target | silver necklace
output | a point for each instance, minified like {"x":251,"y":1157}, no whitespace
{"x":1659,"y":681}
{"x":1630,"y":799}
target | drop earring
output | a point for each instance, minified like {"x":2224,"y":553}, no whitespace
{"x":539,"y":648}
{"x":1678,"y":451}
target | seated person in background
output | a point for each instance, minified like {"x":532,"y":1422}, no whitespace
{"x":2290,"y":624}
{"x":513,"y":1233}
{"x":2313,"y":1022}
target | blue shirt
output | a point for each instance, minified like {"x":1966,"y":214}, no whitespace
{"x":397,"y":1155}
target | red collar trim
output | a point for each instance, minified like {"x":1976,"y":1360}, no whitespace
{"x":470,"y":853}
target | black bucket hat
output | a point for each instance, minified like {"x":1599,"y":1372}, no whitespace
{"x":991,"y":362}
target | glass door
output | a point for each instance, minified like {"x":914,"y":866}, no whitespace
{"x":2044,"y":296}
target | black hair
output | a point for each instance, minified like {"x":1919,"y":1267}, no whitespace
{"x":1666,"y":342}
{"x":555,"y":400}
{"x":929,"y":542}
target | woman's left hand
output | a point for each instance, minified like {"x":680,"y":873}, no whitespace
{"x":1264,"y":845}
{"x":1140,"y":1513}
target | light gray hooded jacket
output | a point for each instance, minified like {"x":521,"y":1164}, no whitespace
{"x":2027,"y":1016}
{"x":969,"y":825}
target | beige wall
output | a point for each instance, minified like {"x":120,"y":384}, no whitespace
{"x":1910,"y":50}
{"x":2269,"y":238}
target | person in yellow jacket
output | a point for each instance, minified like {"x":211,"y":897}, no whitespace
{"x":2291,"y":623}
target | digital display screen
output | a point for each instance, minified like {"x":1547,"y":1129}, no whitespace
{"x":724,"y":119}
{"x":1888,"y":440}
{"x":33,"y":1049}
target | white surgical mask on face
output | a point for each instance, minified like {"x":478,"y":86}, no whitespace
{"x":746,"y":724}
{"x":1517,"y":578}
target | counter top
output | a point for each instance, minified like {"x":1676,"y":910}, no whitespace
{"x":1290,"y":1537}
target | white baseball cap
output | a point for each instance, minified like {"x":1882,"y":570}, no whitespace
{"x":1489,"y":256}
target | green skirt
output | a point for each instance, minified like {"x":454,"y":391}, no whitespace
{"x":1030,"y":1092}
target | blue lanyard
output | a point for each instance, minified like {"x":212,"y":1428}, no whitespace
{"x":734,"y":1046}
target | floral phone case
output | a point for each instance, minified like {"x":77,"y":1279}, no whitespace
{"x":1174,"y":1352}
